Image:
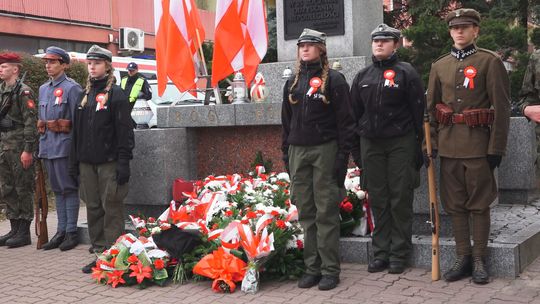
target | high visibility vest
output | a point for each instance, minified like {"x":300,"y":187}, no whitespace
{"x":135,"y":90}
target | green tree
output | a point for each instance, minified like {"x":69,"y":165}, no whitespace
{"x":503,"y":30}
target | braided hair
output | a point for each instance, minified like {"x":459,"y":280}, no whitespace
{"x":324,"y":75}
{"x":110,"y":81}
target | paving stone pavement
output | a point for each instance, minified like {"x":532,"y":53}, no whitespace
{"x":31,"y":276}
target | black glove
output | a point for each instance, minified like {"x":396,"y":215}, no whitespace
{"x":340,"y":170}
{"x":427,"y":161}
{"x":285,"y":159}
{"x":493,"y":160}
{"x":122,"y":171}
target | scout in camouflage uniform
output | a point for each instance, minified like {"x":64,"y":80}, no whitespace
{"x":58,"y":98}
{"x":529,"y":103}
{"x":18,"y":141}
{"x":468,"y":100}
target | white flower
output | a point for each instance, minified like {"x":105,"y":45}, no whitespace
{"x":157,"y":254}
{"x":155,"y":230}
{"x":284,"y":176}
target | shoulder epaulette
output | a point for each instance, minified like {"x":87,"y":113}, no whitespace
{"x":489,"y":51}
{"x":441,"y":57}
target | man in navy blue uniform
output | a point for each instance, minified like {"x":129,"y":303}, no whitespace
{"x":58,"y":99}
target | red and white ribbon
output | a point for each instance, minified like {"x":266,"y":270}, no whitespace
{"x":58,"y":94}
{"x":470,"y":73}
{"x":100,"y":102}
{"x":389,"y":76}
{"x":315,"y":83}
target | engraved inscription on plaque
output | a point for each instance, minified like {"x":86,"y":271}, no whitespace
{"x":322,"y":15}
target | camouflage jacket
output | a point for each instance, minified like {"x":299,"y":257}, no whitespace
{"x":23,"y":113}
{"x":530,"y":90}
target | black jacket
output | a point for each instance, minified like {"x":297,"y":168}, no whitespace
{"x":105,"y":135}
{"x":310,"y":121}
{"x":385,"y":111}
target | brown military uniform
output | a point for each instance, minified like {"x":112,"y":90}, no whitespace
{"x":472,"y":78}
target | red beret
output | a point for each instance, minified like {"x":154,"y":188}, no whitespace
{"x":10,"y":58}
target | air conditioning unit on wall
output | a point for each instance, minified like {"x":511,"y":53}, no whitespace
{"x":131,"y":39}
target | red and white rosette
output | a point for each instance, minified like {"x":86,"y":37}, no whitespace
{"x":470,"y":73}
{"x":315,"y":83}
{"x":100,"y":102}
{"x":389,"y":78}
{"x":58,"y":94}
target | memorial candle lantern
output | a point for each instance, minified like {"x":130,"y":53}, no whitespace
{"x":239,"y":89}
{"x":141,"y":114}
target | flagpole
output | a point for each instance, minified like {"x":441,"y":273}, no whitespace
{"x":201,"y":54}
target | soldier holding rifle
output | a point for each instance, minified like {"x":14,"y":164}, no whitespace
{"x":469,"y":103}
{"x":18,"y":141}
{"x":58,"y":99}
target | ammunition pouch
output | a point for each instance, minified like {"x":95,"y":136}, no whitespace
{"x":479,"y":117}
{"x":41,"y":126}
{"x":443,"y":114}
{"x":56,"y":126}
{"x":64,"y":125}
{"x":52,"y":125}
{"x":6,"y":124}
{"x":472,"y":117}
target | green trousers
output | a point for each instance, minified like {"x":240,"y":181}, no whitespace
{"x":389,"y":168}
{"x":315,"y":192}
{"x":104,"y":201}
{"x":17,"y":185}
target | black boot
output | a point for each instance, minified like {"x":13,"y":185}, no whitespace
{"x":22,"y":238}
{"x":479,"y":273}
{"x":462,"y":268}
{"x":71,"y":240}
{"x":11,"y":233}
{"x":56,"y":240}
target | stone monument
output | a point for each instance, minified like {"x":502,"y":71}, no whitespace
{"x":348,"y":24}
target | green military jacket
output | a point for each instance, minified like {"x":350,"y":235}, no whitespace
{"x":530,"y":90}
{"x":488,"y":88}
{"x":23,"y":113}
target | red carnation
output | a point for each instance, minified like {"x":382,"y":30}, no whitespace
{"x":299,"y":244}
{"x":346,"y":206}
{"x":159,"y":264}
{"x":281,"y":224}
{"x":114,"y":251}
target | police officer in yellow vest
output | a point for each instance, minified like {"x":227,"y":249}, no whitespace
{"x":135,"y":85}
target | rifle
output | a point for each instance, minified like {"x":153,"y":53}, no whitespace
{"x":8,"y":102}
{"x":41,"y":206}
{"x":433,"y":204}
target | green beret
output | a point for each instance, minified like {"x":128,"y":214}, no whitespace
{"x":383,"y":31}
{"x":463,"y":16}
{"x":313,"y":36}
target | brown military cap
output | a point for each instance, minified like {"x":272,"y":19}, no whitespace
{"x":463,"y":16}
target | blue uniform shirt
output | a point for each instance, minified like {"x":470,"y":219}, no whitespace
{"x":56,"y":145}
